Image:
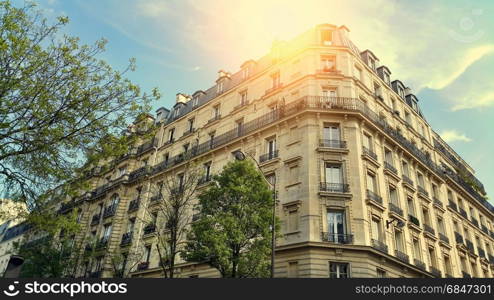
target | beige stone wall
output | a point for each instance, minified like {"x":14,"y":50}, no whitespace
{"x":300,"y":170}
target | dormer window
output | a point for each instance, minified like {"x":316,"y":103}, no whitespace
{"x":401,"y":92}
{"x":372,"y":63}
{"x":176,"y":112}
{"x":219,"y":87}
{"x":386,"y":78}
{"x":195,"y":101}
{"x":246,"y":73}
{"x":326,"y":37}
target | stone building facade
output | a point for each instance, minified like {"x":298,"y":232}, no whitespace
{"x":365,"y":187}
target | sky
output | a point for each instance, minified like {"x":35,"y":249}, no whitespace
{"x":442,"y":50}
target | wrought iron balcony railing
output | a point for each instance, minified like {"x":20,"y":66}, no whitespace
{"x":481,"y":252}
{"x":95,"y":220}
{"x":463,"y":213}
{"x":126,"y":239}
{"x":422,"y":191}
{"x":395,"y":208}
{"x":458,"y":238}
{"x":407,"y":180}
{"x":402,"y":256}
{"x":110,"y":210}
{"x":150,"y":228}
{"x":189,"y":131}
{"x":337,"y":238}
{"x":419,"y":264}
{"x":443,"y":238}
{"x":134,"y":205}
{"x":243,"y":104}
{"x":452,"y":205}
{"x":216,"y":117}
{"x":374,"y":197}
{"x":379,"y":245}
{"x":474,"y":221}
{"x":268,"y":156}
{"x":390,"y":167}
{"x":334,"y":187}
{"x":102,"y":243}
{"x":369,"y":152}
{"x":470,"y":246}
{"x":429,"y":229}
{"x":414,"y":220}
{"x":436,"y":272}
{"x":485,"y":229}
{"x":337,"y":144}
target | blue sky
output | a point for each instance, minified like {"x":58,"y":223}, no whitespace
{"x":443,"y":50}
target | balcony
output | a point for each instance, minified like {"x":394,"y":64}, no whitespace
{"x":389,"y":167}
{"x":149,"y":229}
{"x":137,"y":174}
{"x":336,"y":144}
{"x":380,"y":246}
{"x":102,"y":243}
{"x":485,"y":229}
{"x":402,"y":256}
{"x":374,"y":197}
{"x":429,"y":229}
{"x":463,"y":213}
{"x":436,"y":272}
{"x":243,"y":104}
{"x":95,"y":220}
{"x":215,"y":118}
{"x":273,"y":89}
{"x":143,"y":266}
{"x":443,"y":238}
{"x":146,"y":146}
{"x":481,"y":252}
{"x":134,"y":205}
{"x":458,"y":238}
{"x":419,"y":264}
{"x":169,"y":142}
{"x":126,"y":239}
{"x":110,"y":210}
{"x":437,"y":203}
{"x":268,"y":156}
{"x":368,"y":152}
{"x":204,"y":179}
{"x":334,"y":187}
{"x":470,"y":246}
{"x":95,"y":274}
{"x":407,"y":181}
{"x":189,"y":131}
{"x":396,"y":209}
{"x":414,"y":220}
{"x":452,"y":205}
{"x":337,"y":238}
{"x":422,"y":191}
{"x":475,"y":221}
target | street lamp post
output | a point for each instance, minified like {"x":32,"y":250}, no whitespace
{"x":239,"y":155}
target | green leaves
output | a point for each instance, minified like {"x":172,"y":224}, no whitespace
{"x":58,"y":103}
{"x":233,"y":234}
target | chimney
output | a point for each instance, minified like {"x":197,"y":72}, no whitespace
{"x":182,"y":98}
{"x":222,"y":73}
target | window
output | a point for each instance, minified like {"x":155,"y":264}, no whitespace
{"x":275,"y":80}
{"x":107,"y":231}
{"x":378,"y":91}
{"x":405,"y":169}
{"x":240,"y":125}
{"x":358,"y":73}
{"x":271,"y":178}
{"x":121,"y":171}
{"x":388,"y":156}
{"x":211,"y":140}
{"x":219,"y":87}
{"x":411,"y":207}
{"x":401,"y":92}
{"x":380,"y":273}
{"x":271,"y":146}
{"x":425,"y":215}
{"x":328,"y":63}
{"x":243,"y":98}
{"x":371,"y":182}
{"x":195,"y":101}
{"x":435,"y":192}
{"x":186,"y":147}
{"x":114,"y":200}
{"x":246,"y":73}
{"x":338,"y":270}
{"x":420,"y":179}
{"x":331,"y":133}
{"x":181,"y":181}
{"x":147,"y":253}
{"x":386,"y":77}
{"x":329,"y":94}
{"x":367,"y":142}
{"x":399,"y":241}
{"x":333,"y":173}
{"x":293,"y":174}
{"x":336,"y":226}
{"x":408,"y":118}
{"x":166,"y":157}
{"x":376,"y":229}
{"x":171,"y":134}
{"x":292,"y":220}
{"x":176,"y":112}
{"x":447,"y":265}
{"x":292,"y":269}
{"x":326,"y":37}
{"x":372,"y":63}
{"x":216,"y":111}
{"x":416,"y":249}
{"x":207,"y":170}
{"x":393,"y":195}
{"x":191,"y":125}
{"x":440,"y":225}
{"x":432,"y":257}
{"x":130,"y":225}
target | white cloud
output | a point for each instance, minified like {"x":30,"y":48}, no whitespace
{"x":454,"y":136}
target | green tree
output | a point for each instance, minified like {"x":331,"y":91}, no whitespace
{"x":61,"y":107}
{"x":233,"y":233}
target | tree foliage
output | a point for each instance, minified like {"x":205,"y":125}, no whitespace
{"x":233,"y":233}
{"x":61,"y":107}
